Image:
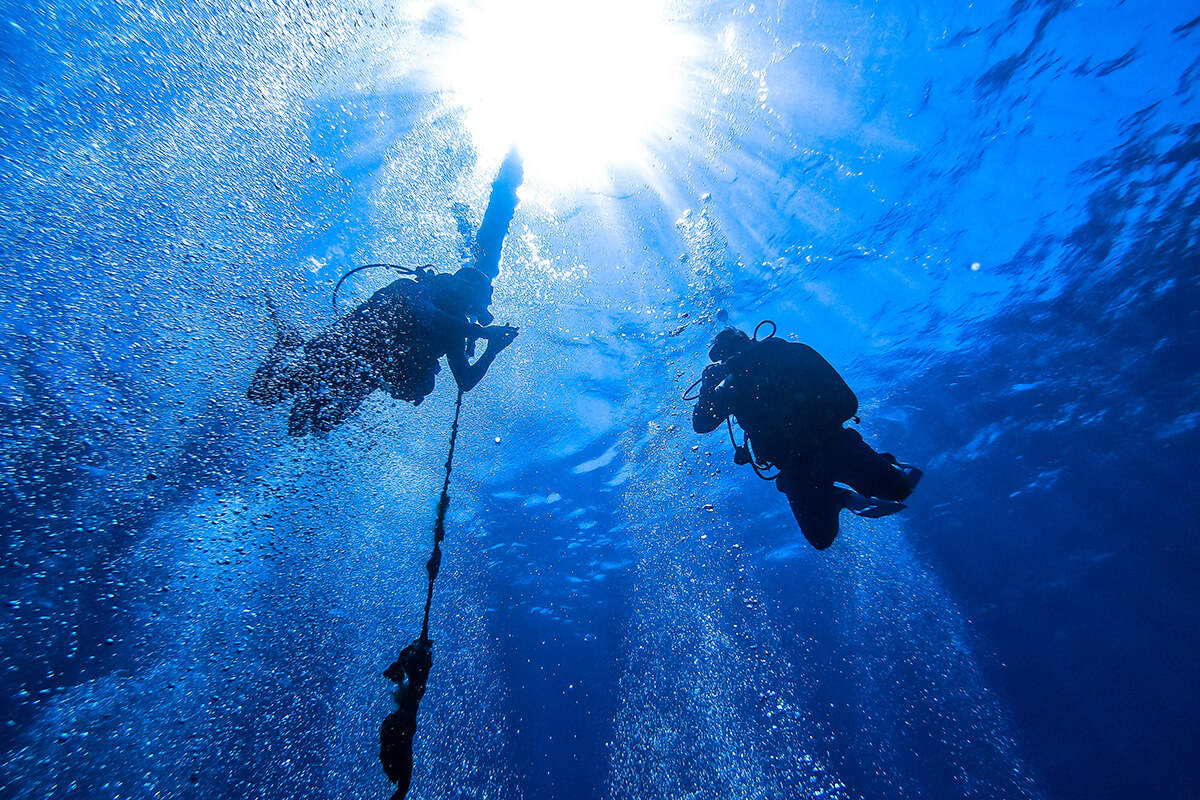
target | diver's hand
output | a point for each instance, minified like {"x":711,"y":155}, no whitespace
{"x":715,"y":373}
{"x":500,"y":336}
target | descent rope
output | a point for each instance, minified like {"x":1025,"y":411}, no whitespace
{"x":439,"y":527}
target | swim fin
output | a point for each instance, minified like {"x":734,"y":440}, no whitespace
{"x":287,"y":335}
{"x":911,"y":474}
{"x":869,"y":507}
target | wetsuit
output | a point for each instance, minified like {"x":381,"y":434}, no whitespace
{"x":393,"y":342}
{"x":792,"y":404}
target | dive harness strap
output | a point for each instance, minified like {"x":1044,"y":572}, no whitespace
{"x":743,"y":455}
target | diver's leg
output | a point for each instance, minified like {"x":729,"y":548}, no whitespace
{"x":334,"y":386}
{"x":284,"y":370}
{"x":875,"y":475}
{"x":281,"y":374}
{"x":334,"y":413}
{"x":815,"y":504}
{"x":319,"y":409}
{"x":300,"y":415}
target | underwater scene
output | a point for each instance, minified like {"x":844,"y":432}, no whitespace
{"x":599,"y":400}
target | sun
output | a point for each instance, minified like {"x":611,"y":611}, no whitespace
{"x":581,"y":88}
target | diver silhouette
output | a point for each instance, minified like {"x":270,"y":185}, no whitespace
{"x":394,"y":341}
{"x":791,"y":404}
{"x":409,"y":672}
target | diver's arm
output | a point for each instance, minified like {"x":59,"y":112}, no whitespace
{"x":434,"y":319}
{"x":714,"y":403}
{"x":468,"y":375}
{"x":451,"y":324}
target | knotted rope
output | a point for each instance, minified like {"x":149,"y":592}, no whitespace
{"x":439,"y":526}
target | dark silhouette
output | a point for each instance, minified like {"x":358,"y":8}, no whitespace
{"x":395,"y":340}
{"x":791,"y":403}
{"x":409,"y":672}
{"x":502,"y":205}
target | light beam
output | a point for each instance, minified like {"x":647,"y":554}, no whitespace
{"x":580,"y":87}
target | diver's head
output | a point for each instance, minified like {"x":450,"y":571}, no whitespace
{"x":728,"y":343}
{"x":467,"y":292}
{"x":478,"y":293}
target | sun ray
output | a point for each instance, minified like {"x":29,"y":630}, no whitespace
{"x":581,"y":88}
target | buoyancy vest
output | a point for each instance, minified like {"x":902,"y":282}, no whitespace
{"x":788,"y":399}
{"x":392,"y":332}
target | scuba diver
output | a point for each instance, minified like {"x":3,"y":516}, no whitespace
{"x":409,"y":672}
{"x":791,"y":404}
{"x":395,"y":340}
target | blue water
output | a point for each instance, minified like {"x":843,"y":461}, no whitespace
{"x":984,"y":217}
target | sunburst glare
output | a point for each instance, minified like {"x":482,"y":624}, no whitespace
{"x":582,"y":88}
